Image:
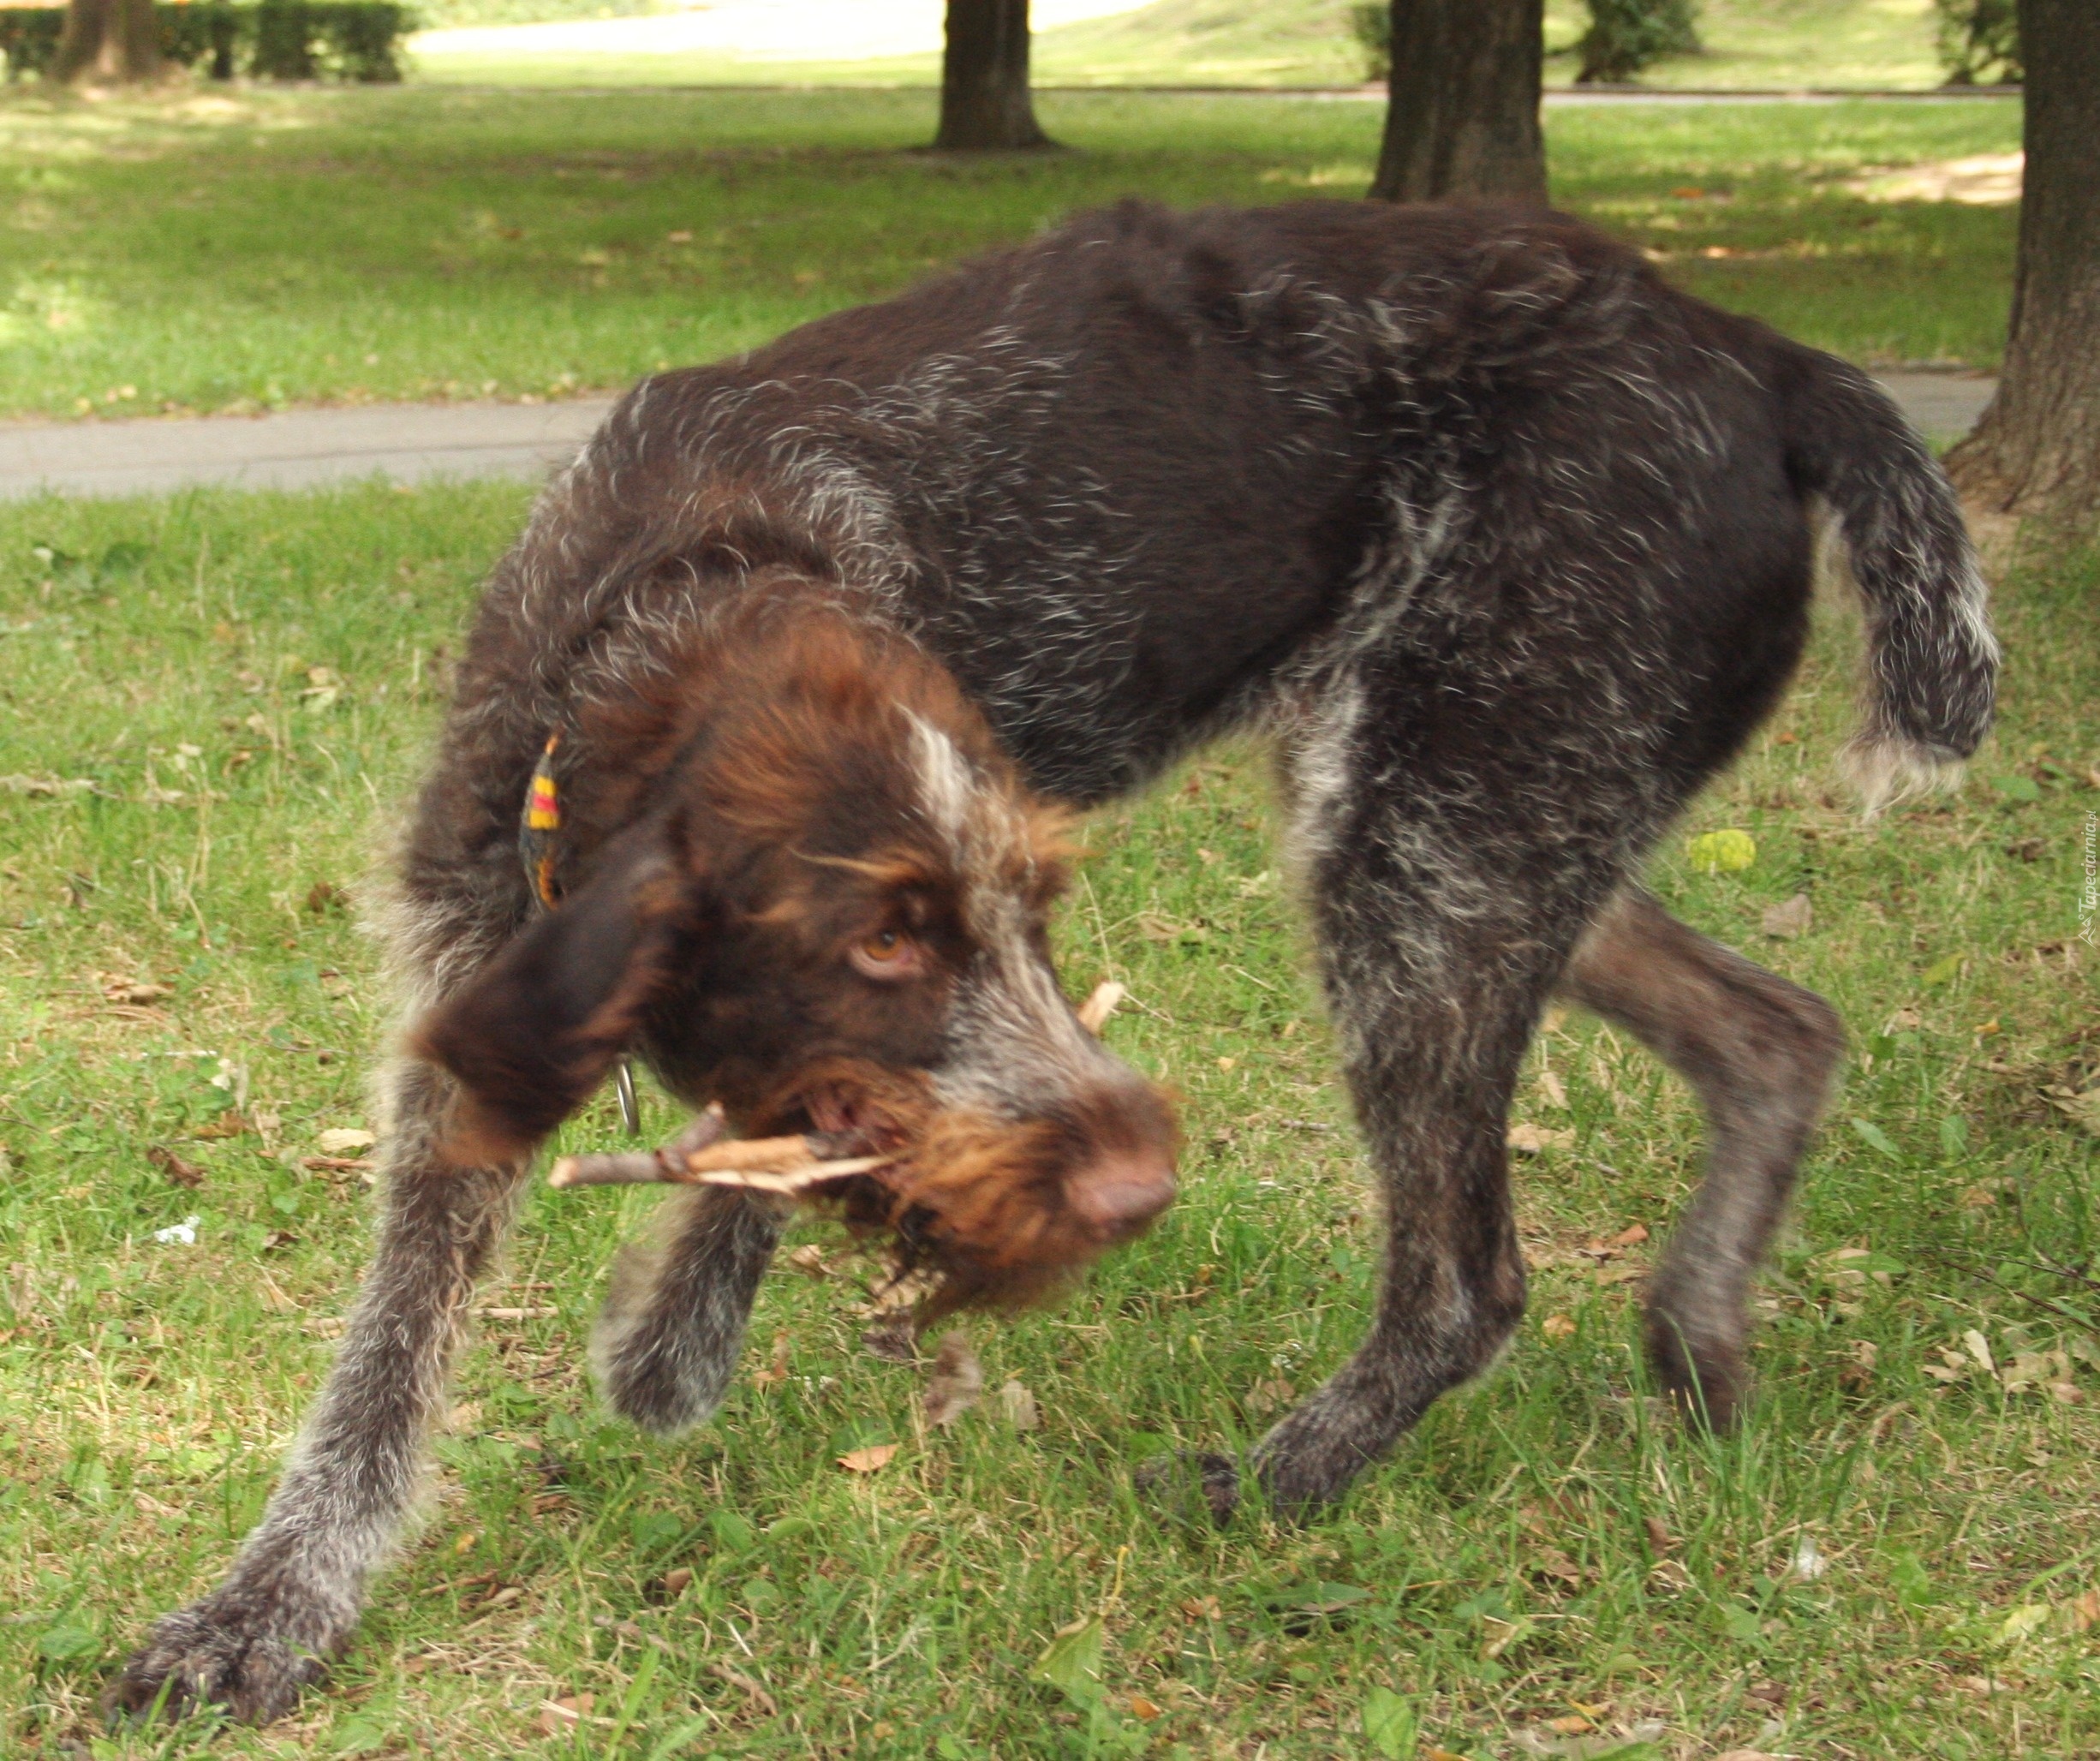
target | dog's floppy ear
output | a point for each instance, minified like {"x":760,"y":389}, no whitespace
{"x":532,"y":1035}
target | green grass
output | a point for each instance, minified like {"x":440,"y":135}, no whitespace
{"x":1884,"y":44}
{"x":251,"y":250}
{"x":1502,"y":1571}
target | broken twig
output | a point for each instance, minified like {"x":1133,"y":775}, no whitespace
{"x":1093,"y":1014}
{"x":786,"y":1168}
{"x":641,"y":1168}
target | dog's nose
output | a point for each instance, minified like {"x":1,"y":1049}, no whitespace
{"x":1128,"y":1179}
{"x":1118,"y":1193}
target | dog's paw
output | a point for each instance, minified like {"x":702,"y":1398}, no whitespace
{"x":227,"y":1653}
{"x":1192,"y":1485}
{"x":1697,"y":1348}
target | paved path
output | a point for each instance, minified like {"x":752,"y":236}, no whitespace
{"x":296,"y":450}
{"x":413,"y":443}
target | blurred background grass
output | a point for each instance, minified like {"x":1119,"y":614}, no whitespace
{"x":248,"y":250}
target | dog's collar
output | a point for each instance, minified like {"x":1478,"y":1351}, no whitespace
{"x":538,"y":829}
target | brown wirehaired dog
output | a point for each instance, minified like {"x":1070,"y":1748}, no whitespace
{"x":1502,"y":542}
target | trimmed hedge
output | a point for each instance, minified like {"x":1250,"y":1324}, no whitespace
{"x":1979,"y":40}
{"x":355,"y":41}
{"x":1626,"y":35}
{"x":1623,"y":35}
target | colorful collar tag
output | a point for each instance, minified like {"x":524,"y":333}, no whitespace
{"x":543,"y":820}
{"x":536,"y":834}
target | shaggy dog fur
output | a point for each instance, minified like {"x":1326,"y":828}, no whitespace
{"x":1504,"y":545}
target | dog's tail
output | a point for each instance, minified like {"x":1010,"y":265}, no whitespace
{"x":1932,"y":660}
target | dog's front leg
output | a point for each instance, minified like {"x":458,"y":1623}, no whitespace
{"x":672,"y":1328}
{"x":294,"y":1593}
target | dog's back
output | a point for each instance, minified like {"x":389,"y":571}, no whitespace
{"x":1123,"y":477}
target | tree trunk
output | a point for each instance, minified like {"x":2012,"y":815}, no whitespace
{"x":984,"y":95}
{"x":2036,"y":451}
{"x":1462,"y":110}
{"x":108,"y":42}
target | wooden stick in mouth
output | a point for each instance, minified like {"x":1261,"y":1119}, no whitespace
{"x":788,"y":1167}
{"x":701,"y":1156}
{"x":641,"y":1168}
{"x":1093,"y":1014}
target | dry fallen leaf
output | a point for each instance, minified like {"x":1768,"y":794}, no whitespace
{"x":776,"y":1371}
{"x":136,"y":991}
{"x":1019,"y":1406}
{"x":1140,"y":1708}
{"x":1633,"y":1236}
{"x":1668,"y":1574}
{"x":339,"y":1165}
{"x":58,"y":787}
{"x":184,"y":1173}
{"x":871,"y":1459}
{"x":1268,"y":1393}
{"x":1534,"y":1140}
{"x":675,"y":1580}
{"x":808,"y":1260}
{"x":559,"y":1716}
{"x":2083,"y":1109}
{"x":229,"y":1124}
{"x":1783,"y":923}
{"x":1659,"y":1536}
{"x":762,"y":1703}
{"x":956,"y":1382}
{"x":1559,"y":1326}
{"x":344,"y":1139}
{"x":1550,"y":1086}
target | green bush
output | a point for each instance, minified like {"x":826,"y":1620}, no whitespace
{"x":1979,"y":40}
{"x":1623,"y":38}
{"x":355,"y":41}
{"x":1626,"y":35}
{"x":1370,"y":22}
{"x":29,"y":37}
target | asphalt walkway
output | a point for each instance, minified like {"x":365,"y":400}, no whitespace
{"x":413,"y":443}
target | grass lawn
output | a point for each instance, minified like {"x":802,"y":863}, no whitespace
{"x":213,"y":706}
{"x":249,"y":250}
{"x":1882,"y":44}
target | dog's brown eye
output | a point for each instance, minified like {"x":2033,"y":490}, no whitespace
{"x":888,"y":953}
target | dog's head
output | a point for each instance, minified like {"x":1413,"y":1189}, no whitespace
{"x":817,"y":893}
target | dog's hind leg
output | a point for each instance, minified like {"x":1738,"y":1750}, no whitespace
{"x":672,"y":1328}
{"x":1761,"y":1053}
{"x":1445,"y":904}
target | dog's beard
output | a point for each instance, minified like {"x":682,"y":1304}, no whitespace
{"x":977,"y":1203}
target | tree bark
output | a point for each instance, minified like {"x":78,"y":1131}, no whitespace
{"x":984,"y":97}
{"x":2036,"y":450}
{"x":108,"y":42}
{"x":1462,"y":105}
